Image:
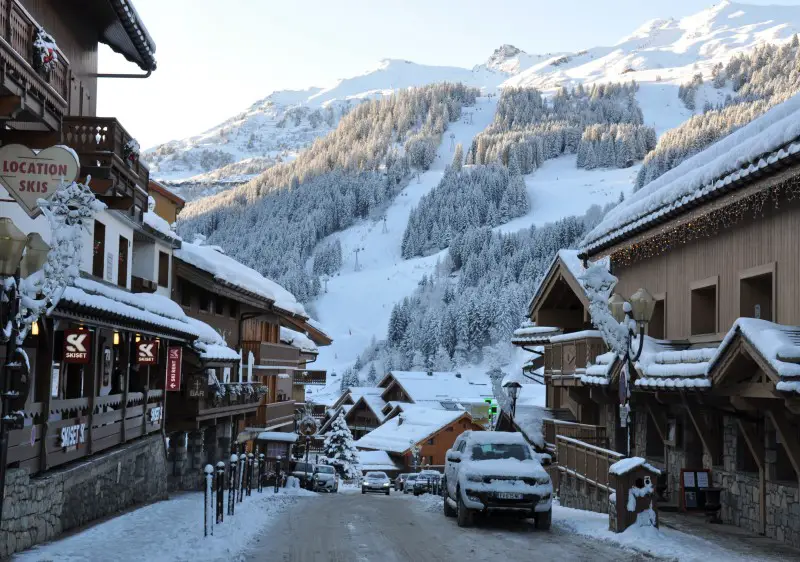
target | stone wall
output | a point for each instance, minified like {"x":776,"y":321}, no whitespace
{"x":41,"y":508}
{"x":189,"y":452}
{"x":578,"y":494}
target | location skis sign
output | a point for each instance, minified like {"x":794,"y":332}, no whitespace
{"x":29,"y":176}
{"x":147,"y":352}
{"x":174,"y":358}
{"x":77,"y":346}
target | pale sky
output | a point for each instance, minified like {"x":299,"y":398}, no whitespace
{"x":216,"y":58}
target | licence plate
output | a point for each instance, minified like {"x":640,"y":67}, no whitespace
{"x":508,"y":496}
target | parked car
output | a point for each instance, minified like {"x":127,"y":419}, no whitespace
{"x":304,"y":472}
{"x":408,"y":487}
{"x":495,"y":471}
{"x":400,"y":481}
{"x":376,"y":482}
{"x":427,"y":482}
{"x":325,"y":478}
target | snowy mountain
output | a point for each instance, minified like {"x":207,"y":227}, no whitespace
{"x":660,"y":55}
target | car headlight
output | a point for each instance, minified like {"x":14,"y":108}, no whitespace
{"x":543,"y":481}
{"x":474,"y":477}
{"x":385,"y":483}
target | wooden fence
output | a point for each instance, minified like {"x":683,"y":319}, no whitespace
{"x":592,"y":434}
{"x":585,"y":462}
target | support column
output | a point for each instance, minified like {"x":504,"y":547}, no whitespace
{"x":211,"y":446}
{"x":224,"y":439}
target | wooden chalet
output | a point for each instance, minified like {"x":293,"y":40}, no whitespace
{"x":716,"y":391}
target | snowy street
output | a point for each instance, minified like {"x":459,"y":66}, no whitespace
{"x":354,"y":527}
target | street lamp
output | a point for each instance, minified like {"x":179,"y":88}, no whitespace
{"x":512,"y":390}
{"x":12,"y":245}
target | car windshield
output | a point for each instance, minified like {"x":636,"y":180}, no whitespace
{"x":303,"y":467}
{"x":412,"y":477}
{"x":494,"y":451}
{"x":325,"y":469}
{"x":376,"y":475}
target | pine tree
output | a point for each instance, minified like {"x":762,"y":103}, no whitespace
{"x":372,"y":375}
{"x":458,"y":158}
{"x":339,"y":450}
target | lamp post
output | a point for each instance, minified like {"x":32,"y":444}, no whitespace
{"x":12,"y":262}
{"x":512,"y":390}
{"x":634,"y":314}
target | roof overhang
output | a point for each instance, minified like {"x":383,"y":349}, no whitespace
{"x":120,"y":27}
{"x":558,"y":272}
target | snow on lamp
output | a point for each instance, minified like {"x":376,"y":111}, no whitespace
{"x":12,"y":244}
{"x":617,"y":306}
{"x":643,"y":304}
{"x":35,"y":254}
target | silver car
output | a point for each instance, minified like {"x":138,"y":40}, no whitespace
{"x":325,"y":479}
{"x":376,"y":482}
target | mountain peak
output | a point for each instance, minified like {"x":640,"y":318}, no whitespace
{"x":501,"y":54}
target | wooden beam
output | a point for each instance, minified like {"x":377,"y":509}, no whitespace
{"x":789,"y":439}
{"x":659,"y":419}
{"x":743,"y":404}
{"x":703,"y":431}
{"x":749,"y":390}
{"x":755,"y":444}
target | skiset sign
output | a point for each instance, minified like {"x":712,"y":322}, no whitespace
{"x":147,"y":352}
{"x":77,"y":346}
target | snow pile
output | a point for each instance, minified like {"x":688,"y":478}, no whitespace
{"x":624,"y":466}
{"x":762,"y":142}
{"x":599,"y":373}
{"x":172,"y":531}
{"x":227,"y":270}
{"x":210,"y":344}
{"x":282,"y":436}
{"x":298,"y":340}
{"x":413,"y":425}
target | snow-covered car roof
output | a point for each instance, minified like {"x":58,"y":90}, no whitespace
{"x":498,"y":437}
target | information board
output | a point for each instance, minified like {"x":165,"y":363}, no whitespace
{"x":693,"y":484}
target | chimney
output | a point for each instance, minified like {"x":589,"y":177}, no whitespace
{"x":400,"y":420}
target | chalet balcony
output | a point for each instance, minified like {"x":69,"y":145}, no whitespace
{"x":272,"y":354}
{"x":275,"y":415}
{"x":310,"y":377}
{"x":207,"y":403}
{"x":100,"y":143}
{"x":28,"y":94}
{"x":568,"y":355}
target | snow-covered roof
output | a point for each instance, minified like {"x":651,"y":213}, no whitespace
{"x":226,"y":269}
{"x":376,"y":460}
{"x":285,"y":437}
{"x":159,"y":224}
{"x":573,"y":265}
{"x":210,"y":344}
{"x":768,"y":140}
{"x":687,"y":368}
{"x":440,"y":385}
{"x":530,"y":333}
{"x":408,"y":428}
{"x":624,"y":466}
{"x":298,"y":340}
{"x":318,"y":327}
{"x":572,"y":336}
{"x":376,"y":404}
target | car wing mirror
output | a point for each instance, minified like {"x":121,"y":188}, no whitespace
{"x":545,"y":459}
{"x":454,"y":456}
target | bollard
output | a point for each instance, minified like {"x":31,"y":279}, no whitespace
{"x":261,"y":473}
{"x":240,"y":482}
{"x":208,"y":525}
{"x":232,"y":483}
{"x":250,"y":467}
{"x":220,"y":491}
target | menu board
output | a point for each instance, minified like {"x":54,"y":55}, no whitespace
{"x":688,"y":480}
{"x":702,"y":479}
{"x":693,"y":484}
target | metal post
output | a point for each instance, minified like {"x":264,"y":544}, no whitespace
{"x":220,"y":491}
{"x":261,"y":473}
{"x":240,"y":482}
{"x":277,"y":473}
{"x":232,"y":483}
{"x":208,"y":497}
{"x":305,"y":482}
{"x":250,"y":473}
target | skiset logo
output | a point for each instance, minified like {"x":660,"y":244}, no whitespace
{"x":147,"y":352}
{"x":73,"y":436}
{"x":77,"y":344}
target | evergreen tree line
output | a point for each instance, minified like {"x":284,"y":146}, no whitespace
{"x":528,"y":129}
{"x":476,"y":298}
{"x":615,"y":145}
{"x":765,"y":77}
{"x":687,"y":92}
{"x":327,"y":188}
{"x":464,"y":199}
{"x":328,"y":258}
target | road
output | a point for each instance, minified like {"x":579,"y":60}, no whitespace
{"x":373,"y":528}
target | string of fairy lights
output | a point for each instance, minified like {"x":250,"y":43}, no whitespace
{"x":709,"y":224}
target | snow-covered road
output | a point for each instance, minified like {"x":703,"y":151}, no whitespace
{"x":352,"y":527}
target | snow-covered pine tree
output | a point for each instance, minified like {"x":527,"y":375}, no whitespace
{"x":339,"y":449}
{"x":372,"y":375}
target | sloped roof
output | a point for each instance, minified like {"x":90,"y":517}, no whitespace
{"x":766,"y":143}
{"x":374,"y":403}
{"x":413,"y":425}
{"x":298,"y":340}
{"x":440,"y":386}
{"x":376,"y":460}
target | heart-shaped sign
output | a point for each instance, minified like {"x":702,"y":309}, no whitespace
{"x":29,"y":176}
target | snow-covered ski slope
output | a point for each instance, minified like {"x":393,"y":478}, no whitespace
{"x":660,"y":55}
{"x":358,"y":303}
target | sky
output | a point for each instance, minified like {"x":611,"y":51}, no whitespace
{"x":214,"y":63}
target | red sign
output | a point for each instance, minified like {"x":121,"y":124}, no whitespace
{"x":77,"y":346}
{"x":147,"y":352}
{"x":174,"y":358}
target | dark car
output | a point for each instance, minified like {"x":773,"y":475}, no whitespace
{"x":427,"y":482}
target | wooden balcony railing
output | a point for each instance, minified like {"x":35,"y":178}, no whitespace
{"x":275,"y":414}
{"x":585,"y":462}
{"x":310,"y":377}
{"x":592,"y":434}
{"x":571,"y":353}
{"x":100,"y":143}
{"x":68,"y":430}
{"x":272,"y":354}
{"x":44,"y":96}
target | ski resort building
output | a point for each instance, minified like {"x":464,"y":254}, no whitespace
{"x":715,"y":393}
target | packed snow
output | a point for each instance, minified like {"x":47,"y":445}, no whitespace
{"x":626,"y":465}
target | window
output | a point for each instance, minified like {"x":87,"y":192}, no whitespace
{"x":219,"y":304}
{"x":186,"y":294}
{"x":745,"y":461}
{"x":704,"y":300}
{"x":205,"y":300}
{"x":276,"y":450}
{"x":163,"y":269}
{"x":756,"y":290}
{"x":657,"y":328}
{"x":99,"y":249}
{"x":430,"y":441}
{"x":233,"y":308}
{"x":122,"y":268}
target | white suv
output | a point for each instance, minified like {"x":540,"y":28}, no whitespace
{"x":496,"y":471}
